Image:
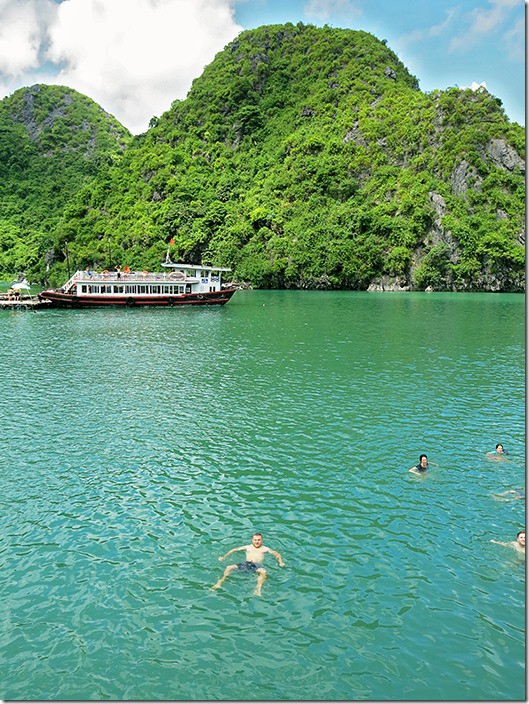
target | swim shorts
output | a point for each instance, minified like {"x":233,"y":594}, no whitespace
{"x":247,"y":566}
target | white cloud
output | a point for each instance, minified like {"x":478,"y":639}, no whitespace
{"x":475,"y":86}
{"x":23,"y":28}
{"x":323,"y":10}
{"x":133,"y":57}
{"x":434,"y":31}
{"x":483,"y":22}
{"x":515,"y":41}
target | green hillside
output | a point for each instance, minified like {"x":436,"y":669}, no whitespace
{"x":53,"y":141}
{"x":307,"y":157}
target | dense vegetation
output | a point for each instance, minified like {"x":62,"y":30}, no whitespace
{"x":302,"y":157}
{"x":53,"y":141}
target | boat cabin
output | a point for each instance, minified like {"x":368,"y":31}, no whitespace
{"x":181,"y":279}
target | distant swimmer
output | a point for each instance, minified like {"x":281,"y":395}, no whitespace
{"x":518,"y":544}
{"x":500,"y":454}
{"x":255,"y":554}
{"x":510,"y":495}
{"x":423,"y":465}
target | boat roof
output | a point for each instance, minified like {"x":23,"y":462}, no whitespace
{"x":194,"y":266}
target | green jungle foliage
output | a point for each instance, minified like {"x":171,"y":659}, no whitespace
{"x":53,"y":141}
{"x":303,"y":157}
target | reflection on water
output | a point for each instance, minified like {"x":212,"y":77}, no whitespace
{"x":138,"y":446}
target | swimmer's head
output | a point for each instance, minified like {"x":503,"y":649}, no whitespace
{"x":499,"y":447}
{"x":423,"y":461}
{"x":520,"y":537}
{"x":257,"y":540}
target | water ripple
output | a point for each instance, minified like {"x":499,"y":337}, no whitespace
{"x":142,"y":445}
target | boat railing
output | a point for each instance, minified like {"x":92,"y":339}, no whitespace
{"x":102,"y":277}
{"x":71,"y":281}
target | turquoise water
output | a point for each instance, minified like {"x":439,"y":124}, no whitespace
{"x":140,"y":445}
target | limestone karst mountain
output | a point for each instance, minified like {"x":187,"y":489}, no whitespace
{"x":302,"y":157}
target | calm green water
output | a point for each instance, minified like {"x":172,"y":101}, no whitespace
{"x":137,"y":446}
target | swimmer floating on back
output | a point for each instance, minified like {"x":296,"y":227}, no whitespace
{"x":254,"y":558}
{"x":510,"y":495}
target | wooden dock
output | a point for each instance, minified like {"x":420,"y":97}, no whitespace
{"x":22,"y":303}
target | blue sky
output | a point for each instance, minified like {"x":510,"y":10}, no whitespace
{"x":442,"y":42}
{"x":134,"y":57}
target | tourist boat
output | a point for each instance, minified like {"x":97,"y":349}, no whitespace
{"x":184,"y":284}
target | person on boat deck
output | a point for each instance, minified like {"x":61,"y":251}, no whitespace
{"x":498,"y":454}
{"x":423,"y":465}
{"x":255,"y":554}
{"x":118,"y":272}
{"x":518,"y":544}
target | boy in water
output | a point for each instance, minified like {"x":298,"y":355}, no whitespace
{"x":254,"y":558}
{"x":518,"y":544}
{"x":421,"y":467}
{"x":498,"y":454}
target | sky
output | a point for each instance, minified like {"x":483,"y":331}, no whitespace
{"x":135,"y":57}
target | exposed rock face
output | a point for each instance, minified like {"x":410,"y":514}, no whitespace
{"x":505,"y":156}
{"x":389,"y":283}
{"x":438,"y":203}
{"x":354,"y":135}
{"x":28,"y":117}
{"x":437,"y":233}
{"x":321,"y":283}
{"x":465,"y":176}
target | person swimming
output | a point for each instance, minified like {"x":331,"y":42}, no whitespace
{"x":423,"y":465}
{"x":500,"y":453}
{"x":518,"y":544}
{"x":255,"y":554}
{"x":510,"y":495}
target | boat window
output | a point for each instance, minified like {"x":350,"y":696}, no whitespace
{"x":166,"y":289}
{"x":188,"y":288}
{"x":142,"y":289}
{"x":130,"y":289}
{"x":155,"y":289}
{"x":83,"y":288}
{"x":180,"y":289}
{"x":118,"y":289}
{"x":103,"y":289}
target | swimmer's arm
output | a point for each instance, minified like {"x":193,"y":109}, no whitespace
{"x":499,"y":542}
{"x":277,"y":556}
{"x":414,"y":470}
{"x":223,"y":557}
